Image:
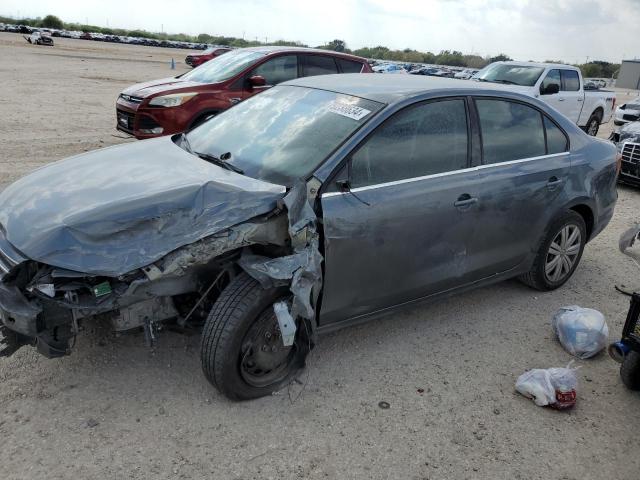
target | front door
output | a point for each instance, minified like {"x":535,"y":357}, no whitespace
{"x":401,"y":232}
{"x":274,"y":71}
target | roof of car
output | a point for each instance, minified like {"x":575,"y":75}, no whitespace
{"x":540,"y":64}
{"x":392,"y":88}
{"x":275,"y":49}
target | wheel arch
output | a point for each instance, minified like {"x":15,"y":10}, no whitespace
{"x":586,"y":212}
{"x":599,"y":111}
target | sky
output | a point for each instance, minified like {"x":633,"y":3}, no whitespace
{"x":570,"y":30}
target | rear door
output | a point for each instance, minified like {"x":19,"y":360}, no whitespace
{"x":402,"y":230}
{"x":571,"y":94}
{"x":312,"y":65}
{"x":523,"y":177}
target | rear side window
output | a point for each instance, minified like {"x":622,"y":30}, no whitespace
{"x":421,"y":140}
{"x":570,"y":80}
{"x":279,"y":69}
{"x":556,"y":139}
{"x":318,"y":65}
{"x":510,"y":131}
{"x":349,"y":66}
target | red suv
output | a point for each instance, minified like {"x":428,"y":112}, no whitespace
{"x":197,"y":59}
{"x":176,"y":104}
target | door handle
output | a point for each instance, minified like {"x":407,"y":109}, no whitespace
{"x":553,"y":182}
{"x":561,"y":99}
{"x":579,"y":99}
{"x":465,"y":200}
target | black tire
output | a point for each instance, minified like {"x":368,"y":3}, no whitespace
{"x":593,"y":125}
{"x":537,"y":277}
{"x":240,"y":306}
{"x":630,"y":370}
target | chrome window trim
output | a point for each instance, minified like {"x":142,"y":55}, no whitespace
{"x":444,"y":174}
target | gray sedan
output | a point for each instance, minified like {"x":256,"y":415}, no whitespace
{"x":317,"y":204}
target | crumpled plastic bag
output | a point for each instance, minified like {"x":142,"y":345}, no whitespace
{"x":583,"y":332}
{"x":556,"y":387}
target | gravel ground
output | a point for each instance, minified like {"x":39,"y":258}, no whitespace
{"x":115,"y":409}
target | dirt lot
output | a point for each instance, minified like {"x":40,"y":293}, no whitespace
{"x":115,"y":409}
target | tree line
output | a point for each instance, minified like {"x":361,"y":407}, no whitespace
{"x":454,"y":58}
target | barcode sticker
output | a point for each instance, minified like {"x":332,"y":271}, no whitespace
{"x":350,"y":111}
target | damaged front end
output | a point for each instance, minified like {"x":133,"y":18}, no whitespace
{"x":46,"y":306}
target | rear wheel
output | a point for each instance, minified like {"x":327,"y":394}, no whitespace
{"x":242,"y":353}
{"x":593,"y":125}
{"x":630,"y":370}
{"x":559,"y":253}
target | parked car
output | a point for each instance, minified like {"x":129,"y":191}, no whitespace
{"x":430,"y":71}
{"x":389,"y":68}
{"x":40,"y":38}
{"x":465,"y":74}
{"x":443,"y":72}
{"x":197,"y":59}
{"x":560,"y":86}
{"x":263,"y":221}
{"x":627,"y":140}
{"x":627,"y":112}
{"x":173,"y":105}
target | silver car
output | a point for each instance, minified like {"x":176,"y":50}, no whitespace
{"x":319,"y":203}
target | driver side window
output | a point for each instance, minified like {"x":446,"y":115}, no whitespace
{"x":421,"y":140}
{"x":279,"y":69}
{"x":552,"y":78}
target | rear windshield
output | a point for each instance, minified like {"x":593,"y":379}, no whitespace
{"x":223,"y":67}
{"x":524,"y":75}
{"x":284,"y":133}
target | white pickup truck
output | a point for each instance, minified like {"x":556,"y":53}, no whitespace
{"x":561,"y":86}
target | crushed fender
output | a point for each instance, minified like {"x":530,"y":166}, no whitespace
{"x":302,"y":270}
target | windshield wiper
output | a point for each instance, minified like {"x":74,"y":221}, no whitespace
{"x":220,"y":161}
{"x":506,"y":82}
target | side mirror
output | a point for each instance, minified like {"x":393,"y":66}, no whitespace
{"x":550,"y":90}
{"x":257,"y":81}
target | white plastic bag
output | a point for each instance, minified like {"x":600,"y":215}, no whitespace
{"x":583,"y":332}
{"x":554,"y":387}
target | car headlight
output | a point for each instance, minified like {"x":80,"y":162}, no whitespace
{"x":173,"y":100}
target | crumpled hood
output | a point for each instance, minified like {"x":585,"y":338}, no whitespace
{"x":164,"y":85}
{"x":113,"y":210}
{"x":629,"y":133}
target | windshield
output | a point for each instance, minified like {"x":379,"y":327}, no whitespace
{"x":223,"y":67}
{"x":524,"y":75}
{"x":284,"y":133}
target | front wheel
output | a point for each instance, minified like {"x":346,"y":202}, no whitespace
{"x":242,"y":352}
{"x":559,"y":253}
{"x":630,"y":370}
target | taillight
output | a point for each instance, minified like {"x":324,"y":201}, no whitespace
{"x":613,"y":105}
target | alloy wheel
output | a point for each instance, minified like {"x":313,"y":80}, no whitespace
{"x":593,"y":128}
{"x":563,"y":253}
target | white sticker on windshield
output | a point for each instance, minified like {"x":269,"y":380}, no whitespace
{"x":351,"y":111}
